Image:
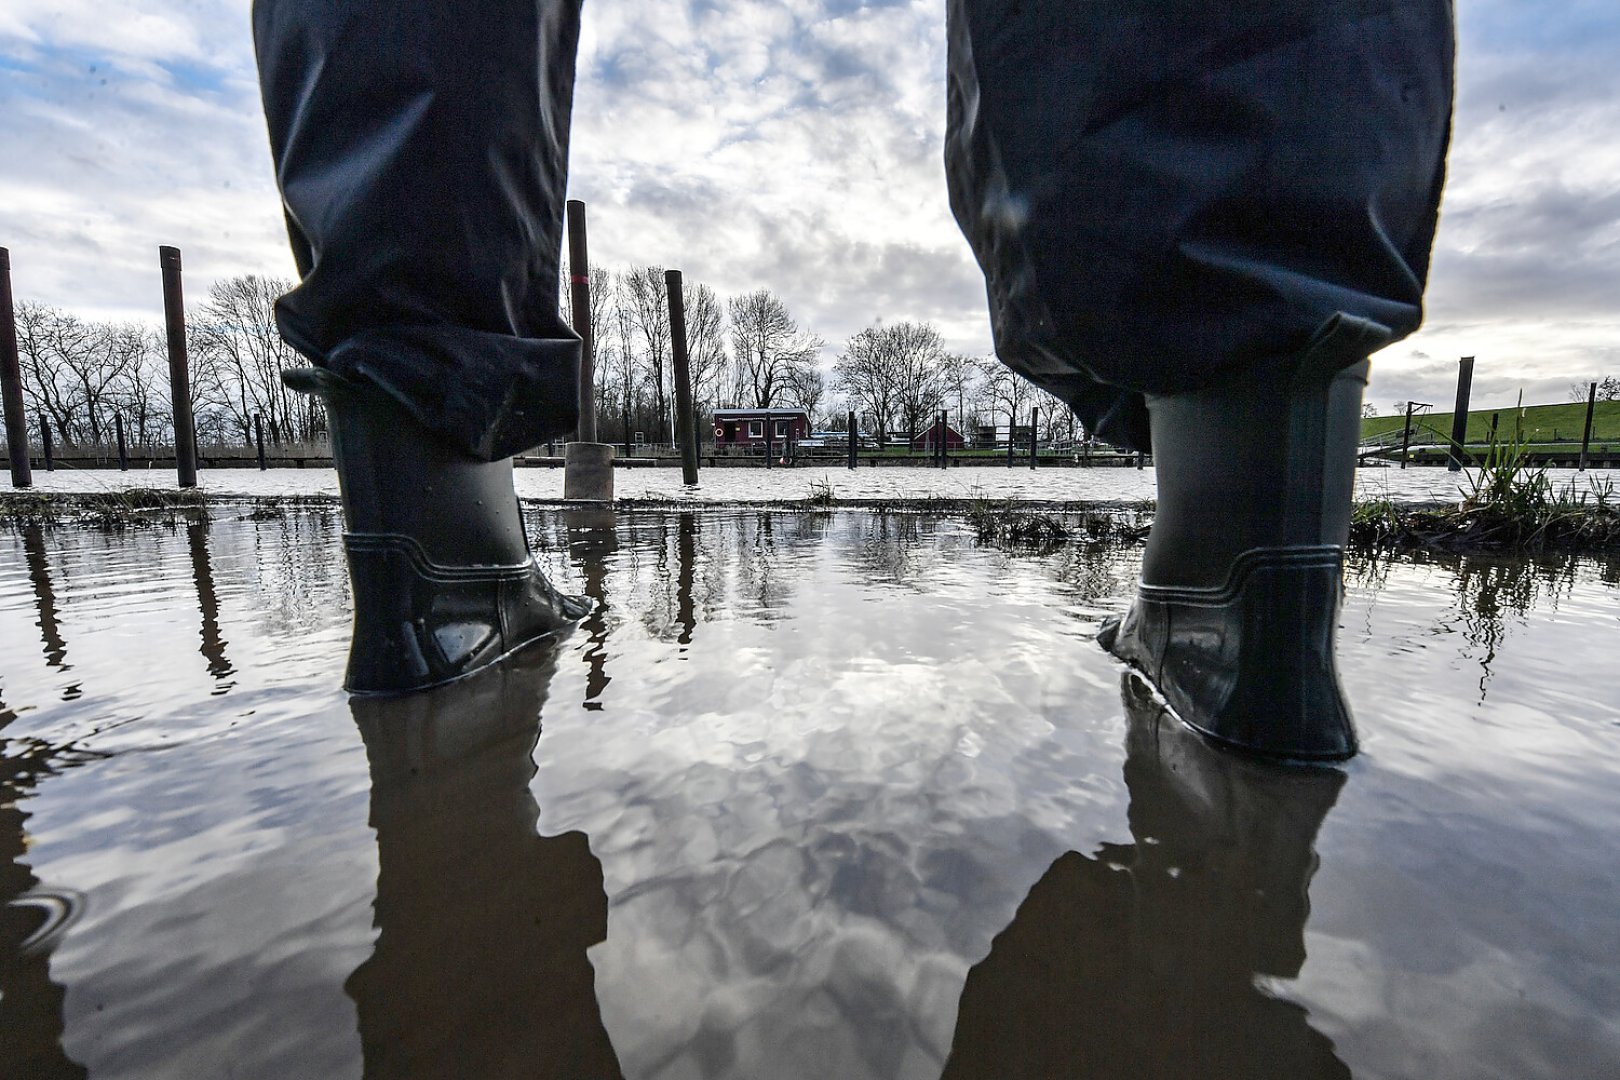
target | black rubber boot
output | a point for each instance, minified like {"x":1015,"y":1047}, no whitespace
{"x":443,"y":580}
{"x":1235,"y":618}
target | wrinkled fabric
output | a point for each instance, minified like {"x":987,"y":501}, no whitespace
{"x":1177,"y":194}
{"x":422,"y":152}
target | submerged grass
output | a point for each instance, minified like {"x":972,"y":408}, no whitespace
{"x":100,"y":509}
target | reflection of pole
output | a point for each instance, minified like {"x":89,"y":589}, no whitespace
{"x":123,"y":449}
{"x":592,"y":538}
{"x":45,"y":442}
{"x":39,"y":576}
{"x":22,"y":474}
{"x":685,"y":414}
{"x":686,"y":557}
{"x":1459,"y":417}
{"x":258,"y":439}
{"x":579,"y":288}
{"x":854,"y":449}
{"x":1586,"y":433}
{"x":202,"y":571}
{"x":174,"y":318}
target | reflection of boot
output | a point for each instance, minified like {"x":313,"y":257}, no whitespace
{"x":1235,"y":618}
{"x":480,"y":966}
{"x":443,"y":580}
{"x":1142,"y":960}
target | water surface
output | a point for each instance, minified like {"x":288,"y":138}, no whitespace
{"x":808,"y":795}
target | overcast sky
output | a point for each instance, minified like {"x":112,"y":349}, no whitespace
{"x":796,"y":145}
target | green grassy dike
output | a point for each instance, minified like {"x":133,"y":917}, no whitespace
{"x":1541,"y":424}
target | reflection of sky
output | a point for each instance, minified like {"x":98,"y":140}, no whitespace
{"x":817,"y":813}
{"x":795,"y":146}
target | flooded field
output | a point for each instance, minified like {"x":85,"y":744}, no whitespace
{"x":733,"y":485}
{"x":808,"y":795}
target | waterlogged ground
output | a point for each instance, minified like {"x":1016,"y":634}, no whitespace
{"x":810,"y":795}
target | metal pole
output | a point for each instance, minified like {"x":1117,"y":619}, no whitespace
{"x":45,"y":441}
{"x":258,"y":439}
{"x":22,"y":472}
{"x":1034,"y":426}
{"x":1586,"y":433}
{"x":123,"y":451}
{"x":579,"y":287}
{"x":685,"y":414}
{"x":854,"y":459}
{"x":1406,"y":436}
{"x":1459,"y":417}
{"x":174,"y":318}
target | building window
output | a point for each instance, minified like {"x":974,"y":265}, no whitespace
{"x":756,"y":429}
{"x":781,"y":429}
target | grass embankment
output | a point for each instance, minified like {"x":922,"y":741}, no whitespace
{"x":1540,"y":424}
{"x":101,"y":509}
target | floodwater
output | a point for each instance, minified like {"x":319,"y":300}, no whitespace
{"x":889,"y":483}
{"x":808,"y":795}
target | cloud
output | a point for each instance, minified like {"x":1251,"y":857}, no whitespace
{"x":793,"y":144}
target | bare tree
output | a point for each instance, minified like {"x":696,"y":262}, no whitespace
{"x":1003,"y":390}
{"x":648,"y":299}
{"x":807,"y":387}
{"x":705,"y":340}
{"x":894,"y":372}
{"x":238,"y":356}
{"x":767,"y":346}
{"x":1608,"y":389}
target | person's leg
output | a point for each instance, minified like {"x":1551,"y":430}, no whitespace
{"x":1196,"y":222}
{"x":421,"y":151}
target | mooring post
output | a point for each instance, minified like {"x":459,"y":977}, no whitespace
{"x":1012,"y":431}
{"x":1586,"y":433}
{"x":1034,"y":426}
{"x":1459,"y":417}
{"x":943,"y":449}
{"x":579,"y":289}
{"x":22,"y":471}
{"x":123,"y":451}
{"x":770,"y":450}
{"x":45,"y":442}
{"x":1406,"y":435}
{"x":174,"y":319}
{"x":258,"y":439}
{"x":685,"y":415}
{"x":1141,"y":461}
{"x":587,"y":464}
{"x":854,"y":459}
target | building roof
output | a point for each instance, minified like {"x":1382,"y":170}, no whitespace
{"x":773,"y":411}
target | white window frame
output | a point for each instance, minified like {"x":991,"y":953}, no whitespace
{"x":756,"y":429}
{"x":782,"y":429}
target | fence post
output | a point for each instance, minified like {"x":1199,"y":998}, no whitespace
{"x":258,"y":439}
{"x":1586,"y":433}
{"x":1012,"y":431}
{"x":1459,"y":416}
{"x":1034,"y":427}
{"x":685,"y":413}
{"x":174,"y":319}
{"x":123,"y":450}
{"x":22,"y":471}
{"x":45,"y":442}
{"x":854,"y":450}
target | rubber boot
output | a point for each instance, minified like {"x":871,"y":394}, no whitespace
{"x":1242,"y":578}
{"x":444,"y":584}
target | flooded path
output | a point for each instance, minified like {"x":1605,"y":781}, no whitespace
{"x":808,"y":795}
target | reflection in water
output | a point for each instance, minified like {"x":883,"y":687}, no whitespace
{"x":33,"y":537}
{"x":592,"y":540}
{"x":202,"y":570}
{"x":480,"y":967}
{"x":30,"y":922}
{"x":1142,"y":959}
{"x":686,"y":559}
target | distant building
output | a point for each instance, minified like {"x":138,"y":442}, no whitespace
{"x":930,"y":437}
{"x":748,"y":427}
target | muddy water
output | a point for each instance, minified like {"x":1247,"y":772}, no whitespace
{"x":832,"y":795}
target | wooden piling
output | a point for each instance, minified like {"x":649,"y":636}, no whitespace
{"x":854,"y":449}
{"x":45,"y":442}
{"x":579,"y":289}
{"x":22,"y":470}
{"x":685,"y":414}
{"x":123,"y":449}
{"x":258,"y":440}
{"x":1034,"y":427}
{"x":1586,"y":432}
{"x":1459,"y":417}
{"x":174,"y":320}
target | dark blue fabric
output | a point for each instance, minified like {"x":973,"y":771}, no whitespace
{"x":422,"y":155}
{"x":1174,"y":194}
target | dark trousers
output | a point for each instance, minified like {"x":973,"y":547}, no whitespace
{"x":1162,"y":195}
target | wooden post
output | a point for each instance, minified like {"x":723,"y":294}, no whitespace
{"x":1459,"y":417}
{"x":174,"y":319}
{"x":258,"y":439}
{"x":854,"y":451}
{"x":1406,"y":435}
{"x":1586,"y":433}
{"x":1034,"y":426}
{"x":22,"y":470}
{"x":45,"y":442}
{"x":685,"y":413}
{"x":770,"y":451}
{"x":123,"y":451}
{"x":1012,"y":430}
{"x":579,"y":288}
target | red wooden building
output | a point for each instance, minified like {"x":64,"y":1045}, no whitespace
{"x":929,"y":438}
{"x":748,"y":427}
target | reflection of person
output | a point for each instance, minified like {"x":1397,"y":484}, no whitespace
{"x":1218,"y":209}
{"x":480,"y":967}
{"x":1140,"y":961}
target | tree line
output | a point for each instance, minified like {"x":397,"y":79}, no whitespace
{"x":744,"y":351}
